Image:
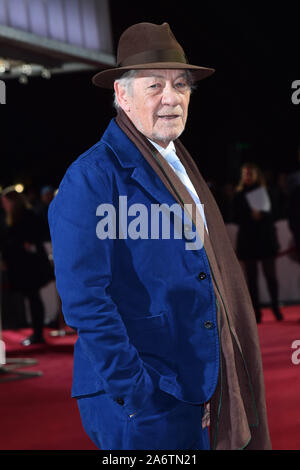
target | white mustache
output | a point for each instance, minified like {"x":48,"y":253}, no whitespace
{"x":170,"y":112}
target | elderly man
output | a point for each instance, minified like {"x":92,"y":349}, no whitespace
{"x":165,"y":325}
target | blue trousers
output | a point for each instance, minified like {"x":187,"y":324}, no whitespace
{"x":165,"y":423}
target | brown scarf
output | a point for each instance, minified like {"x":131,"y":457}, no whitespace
{"x":238,"y":409}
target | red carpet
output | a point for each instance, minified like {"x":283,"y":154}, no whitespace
{"x":282,"y":377}
{"x":38,"y":413}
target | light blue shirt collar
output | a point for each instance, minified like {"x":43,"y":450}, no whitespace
{"x":164,"y":151}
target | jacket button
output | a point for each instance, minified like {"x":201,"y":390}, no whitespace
{"x":120,"y":401}
{"x":201,"y":276}
{"x":208,"y":325}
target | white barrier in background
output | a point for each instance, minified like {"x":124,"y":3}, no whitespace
{"x":288,"y":270}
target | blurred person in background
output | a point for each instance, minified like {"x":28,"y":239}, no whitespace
{"x":225,"y":202}
{"x":282,"y":196}
{"x":276,"y":185}
{"x":47,"y":195}
{"x":40,"y":207}
{"x":256,"y":238}
{"x":294,"y":209}
{"x":24,"y":258}
{"x":294,"y":205}
{"x":32,"y":197}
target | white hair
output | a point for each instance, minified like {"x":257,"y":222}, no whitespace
{"x":127,"y":78}
{"x":125,"y":81}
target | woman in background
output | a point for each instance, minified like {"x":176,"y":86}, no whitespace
{"x":24,"y":258}
{"x":256,"y":239}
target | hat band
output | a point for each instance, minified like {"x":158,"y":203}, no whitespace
{"x":159,"y":55}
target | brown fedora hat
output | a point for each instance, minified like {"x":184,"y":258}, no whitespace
{"x":148,"y":46}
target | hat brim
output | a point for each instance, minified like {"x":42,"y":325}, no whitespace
{"x":106,"y":78}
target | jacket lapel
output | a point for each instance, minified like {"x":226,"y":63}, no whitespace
{"x":147,"y":179}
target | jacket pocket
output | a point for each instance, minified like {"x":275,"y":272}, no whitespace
{"x":146,"y":323}
{"x":154,"y":339}
{"x":158,"y":405}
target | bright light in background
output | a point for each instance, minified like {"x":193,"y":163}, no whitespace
{"x":2,"y":66}
{"x":19,"y":188}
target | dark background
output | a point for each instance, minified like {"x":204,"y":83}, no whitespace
{"x":243,"y":112}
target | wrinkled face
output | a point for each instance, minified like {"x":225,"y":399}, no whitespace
{"x":157,"y":103}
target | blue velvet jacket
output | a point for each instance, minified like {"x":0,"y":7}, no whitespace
{"x":144,"y":309}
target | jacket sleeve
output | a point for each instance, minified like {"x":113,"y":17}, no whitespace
{"x":83,"y":269}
